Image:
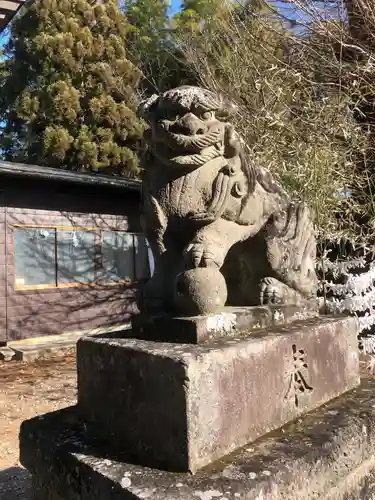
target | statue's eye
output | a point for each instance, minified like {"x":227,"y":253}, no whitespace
{"x":207,"y":115}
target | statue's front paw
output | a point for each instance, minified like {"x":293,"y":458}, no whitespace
{"x":271,"y":292}
{"x":201,"y":255}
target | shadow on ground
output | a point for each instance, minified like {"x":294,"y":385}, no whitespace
{"x":15,"y":484}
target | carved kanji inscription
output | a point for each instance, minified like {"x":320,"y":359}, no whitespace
{"x":298,"y":378}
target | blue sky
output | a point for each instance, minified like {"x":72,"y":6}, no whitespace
{"x":175,"y":6}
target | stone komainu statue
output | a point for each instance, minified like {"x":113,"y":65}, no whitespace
{"x":221,"y":230}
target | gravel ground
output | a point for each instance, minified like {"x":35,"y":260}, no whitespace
{"x":27,"y":390}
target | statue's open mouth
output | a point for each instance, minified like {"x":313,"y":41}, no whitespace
{"x":189,"y":143}
{"x":196,"y":149}
{"x":190,"y":161}
{"x":193,"y":143}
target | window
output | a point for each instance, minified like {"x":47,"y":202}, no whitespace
{"x":75,"y":256}
{"x":118,"y":256}
{"x":53,"y":257}
{"x":35,"y":260}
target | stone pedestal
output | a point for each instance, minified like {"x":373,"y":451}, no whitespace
{"x":326,"y":455}
{"x":180,"y":407}
{"x":226,"y":323}
{"x":151,"y":413}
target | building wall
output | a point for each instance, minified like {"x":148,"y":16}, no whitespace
{"x":39,"y":312}
{"x":3,"y":330}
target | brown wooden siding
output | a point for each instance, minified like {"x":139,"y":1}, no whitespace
{"x":3,"y":326}
{"x":34,"y":313}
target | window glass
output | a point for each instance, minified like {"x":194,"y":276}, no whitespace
{"x":117,"y":256}
{"x":142,"y":266}
{"x":53,"y":257}
{"x":34,"y":257}
{"x":75,"y":256}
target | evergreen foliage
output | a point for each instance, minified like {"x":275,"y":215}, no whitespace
{"x":154,"y":47}
{"x":68,"y":89}
{"x":195,"y":15}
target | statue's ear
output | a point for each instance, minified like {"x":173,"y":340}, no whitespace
{"x":146,"y":107}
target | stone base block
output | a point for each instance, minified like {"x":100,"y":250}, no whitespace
{"x":180,"y":407}
{"x":229,"y":322}
{"x":326,"y":455}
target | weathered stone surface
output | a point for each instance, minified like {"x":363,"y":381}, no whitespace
{"x":326,"y":455}
{"x":180,"y":407}
{"x":229,"y":322}
{"x":221,"y":229}
{"x":6,"y":353}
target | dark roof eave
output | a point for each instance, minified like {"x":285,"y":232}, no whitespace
{"x":10,"y":13}
{"x":36,"y":172}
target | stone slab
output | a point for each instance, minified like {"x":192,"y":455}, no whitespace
{"x":329,"y":454}
{"x":6,"y":353}
{"x":48,"y":350}
{"x":182,"y":406}
{"x":54,"y":346}
{"x":229,"y":322}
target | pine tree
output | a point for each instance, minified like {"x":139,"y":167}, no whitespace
{"x":68,"y":88}
{"x":154,"y":47}
{"x":196,"y":14}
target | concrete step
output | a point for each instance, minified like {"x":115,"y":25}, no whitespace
{"x":52,"y":346}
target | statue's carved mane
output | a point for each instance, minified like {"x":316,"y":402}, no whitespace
{"x":189,"y":98}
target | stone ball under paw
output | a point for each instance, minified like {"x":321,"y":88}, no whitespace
{"x":200,"y":291}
